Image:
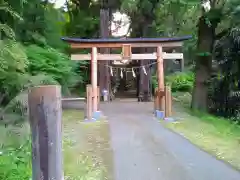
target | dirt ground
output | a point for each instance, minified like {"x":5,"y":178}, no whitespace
{"x":86,"y":148}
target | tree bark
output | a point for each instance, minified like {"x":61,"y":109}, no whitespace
{"x":104,"y":77}
{"x":206,"y":33}
{"x":145,"y":92}
{"x":144,"y":79}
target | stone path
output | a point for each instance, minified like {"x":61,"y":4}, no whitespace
{"x":144,"y":150}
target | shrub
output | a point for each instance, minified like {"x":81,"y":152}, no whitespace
{"x":15,"y":163}
{"x":179,"y":81}
{"x":12,"y":67}
{"x":224,"y":101}
{"x":224,"y":85}
{"x":15,"y":157}
{"x":52,"y":63}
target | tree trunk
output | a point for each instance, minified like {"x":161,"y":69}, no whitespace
{"x":145,"y":92}
{"x":104,"y":77}
{"x":206,"y":34}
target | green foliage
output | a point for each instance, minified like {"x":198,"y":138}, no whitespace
{"x":13,"y":63}
{"x":53,"y":63}
{"x":82,"y":23}
{"x":179,"y":18}
{"x":15,"y":162}
{"x":15,"y":156}
{"x":55,"y":21}
{"x":154,"y":81}
{"x":8,"y":15}
{"x":16,"y":76}
{"x":181,"y":81}
{"x":38,"y":26}
{"x":22,"y":66}
{"x":34,"y":23}
{"x":224,"y":88}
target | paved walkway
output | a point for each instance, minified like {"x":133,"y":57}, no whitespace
{"x":144,"y":150}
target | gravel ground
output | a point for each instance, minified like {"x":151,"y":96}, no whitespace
{"x":144,"y":150}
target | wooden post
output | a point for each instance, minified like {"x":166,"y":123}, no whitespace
{"x":168,"y":101}
{"x":45,"y":114}
{"x":94,"y":78}
{"x":182,"y":65}
{"x":98,"y":97}
{"x":126,"y":51}
{"x":89,"y":101}
{"x":160,"y":77}
{"x":156,"y":101}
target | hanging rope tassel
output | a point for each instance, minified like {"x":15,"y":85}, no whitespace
{"x":121,"y":74}
{"x":144,"y":70}
{"x":111,"y":70}
{"x":133,"y":73}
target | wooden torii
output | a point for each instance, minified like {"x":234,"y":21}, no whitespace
{"x":126,"y":44}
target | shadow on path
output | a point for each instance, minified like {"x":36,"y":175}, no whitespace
{"x":144,"y":150}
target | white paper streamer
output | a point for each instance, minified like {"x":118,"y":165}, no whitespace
{"x":111,"y":71}
{"x":133,"y":73}
{"x":121,"y":74}
{"x":144,"y":70}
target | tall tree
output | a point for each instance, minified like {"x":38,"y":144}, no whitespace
{"x":32,"y":29}
{"x":213,"y":13}
{"x":142,"y":18}
{"x":105,"y":19}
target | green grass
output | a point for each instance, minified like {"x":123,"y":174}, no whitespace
{"x":86,"y":149}
{"x":220,"y":137}
{"x":15,"y":152}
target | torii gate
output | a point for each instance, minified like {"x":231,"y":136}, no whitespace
{"x":126,"y":44}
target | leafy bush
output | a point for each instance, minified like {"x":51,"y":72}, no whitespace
{"x":15,"y":156}
{"x":23,"y":67}
{"x":53,"y":63}
{"x":179,"y":81}
{"x":12,"y":69}
{"x":15,"y":163}
{"x":224,"y":89}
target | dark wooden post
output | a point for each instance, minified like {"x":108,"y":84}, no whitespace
{"x":45,"y":114}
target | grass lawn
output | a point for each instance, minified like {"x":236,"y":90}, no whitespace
{"x":86,"y":149}
{"x":217,"y":136}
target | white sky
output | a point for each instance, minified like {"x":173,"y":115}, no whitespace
{"x":59,"y":3}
